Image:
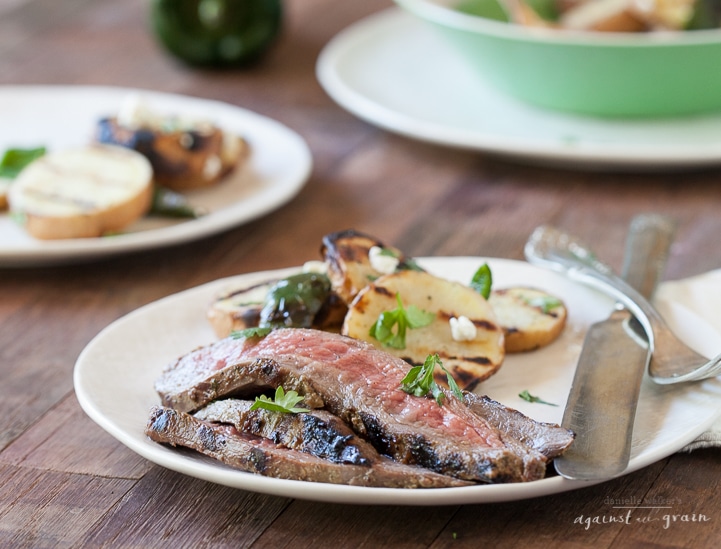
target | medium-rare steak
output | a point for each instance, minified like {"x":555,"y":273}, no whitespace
{"x":262,"y":456}
{"x":316,"y":432}
{"x":547,"y":438}
{"x":361,"y":385}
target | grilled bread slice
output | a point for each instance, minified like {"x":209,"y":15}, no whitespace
{"x":80,"y":193}
{"x":530,"y":318}
{"x":471,"y":358}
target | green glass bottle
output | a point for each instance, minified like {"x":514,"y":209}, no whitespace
{"x":216,"y":32}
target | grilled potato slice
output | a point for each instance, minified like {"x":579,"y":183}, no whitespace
{"x":84,"y":192}
{"x":237,"y":308}
{"x":469,"y":361}
{"x":530,"y":318}
{"x":183,"y":159}
{"x":240,"y":308}
{"x":350,"y":264}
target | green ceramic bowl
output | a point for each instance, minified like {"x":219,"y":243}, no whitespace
{"x":601,"y":74}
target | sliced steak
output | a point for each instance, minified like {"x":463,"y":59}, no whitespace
{"x":361,"y":385}
{"x":317,"y":432}
{"x":549,"y":439}
{"x":221,"y":369}
{"x":262,"y":456}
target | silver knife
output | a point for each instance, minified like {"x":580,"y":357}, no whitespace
{"x":601,"y":406}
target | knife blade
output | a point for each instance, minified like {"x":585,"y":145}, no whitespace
{"x":601,"y":406}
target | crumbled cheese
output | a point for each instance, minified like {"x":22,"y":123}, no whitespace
{"x":462,"y":329}
{"x":212,"y":167}
{"x":315,"y":267}
{"x":382,"y":262}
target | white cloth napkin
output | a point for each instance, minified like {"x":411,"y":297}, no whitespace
{"x":702,"y":295}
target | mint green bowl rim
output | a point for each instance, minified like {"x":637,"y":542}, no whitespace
{"x":442,"y":12}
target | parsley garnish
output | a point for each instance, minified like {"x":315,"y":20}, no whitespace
{"x":482,"y":280}
{"x":525,"y":395}
{"x":419,"y":380}
{"x":402,"y":319}
{"x":545,"y":303}
{"x":14,"y":160}
{"x":283,"y":402}
{"x":251,"y":332}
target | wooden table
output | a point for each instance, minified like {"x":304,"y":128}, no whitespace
{"x":67,"y":483}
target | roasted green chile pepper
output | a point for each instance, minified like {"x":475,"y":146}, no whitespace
{"x":295,"y":301}
{"x":216,"y":32}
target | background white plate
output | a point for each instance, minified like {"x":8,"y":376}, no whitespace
{"x":392,"y":70}
{"x":65,"y":116}
{"x":115,"y":373}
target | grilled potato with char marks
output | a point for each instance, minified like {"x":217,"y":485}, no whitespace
{"x":530,"y":318}
{"x":182,"y":159}
{"x":239,"y":308}
{"x":468,"y":360}
{"x":348,"y":257}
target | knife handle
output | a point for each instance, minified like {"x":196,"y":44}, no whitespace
{"x":647,"y":248}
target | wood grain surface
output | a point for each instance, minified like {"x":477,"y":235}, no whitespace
{"x":66,"y":483}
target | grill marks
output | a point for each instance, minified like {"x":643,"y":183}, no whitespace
{"x":254,"y":454}
{"x":353,"y":382}
{"x":318,"y":432}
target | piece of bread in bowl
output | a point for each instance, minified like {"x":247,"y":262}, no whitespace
{"x":82,"y":192}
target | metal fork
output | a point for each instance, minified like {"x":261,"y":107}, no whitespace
{"x":672,"y":360}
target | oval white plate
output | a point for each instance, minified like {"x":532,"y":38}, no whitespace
{"x":392,"y":70}
{"x":114,"y":378}
{"x":65,"y":116}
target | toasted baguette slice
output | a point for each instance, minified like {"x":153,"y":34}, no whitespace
{"x":182,"y":159}
{"x":470,"y":361}
{"x":81,"y":193}
{"x":530,"y":318}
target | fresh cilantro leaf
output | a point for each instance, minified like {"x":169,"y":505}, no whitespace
{"x":391,"y":326}
{"x":419,"y":380}
{"x":525,"y":395}
{"x":482,"y":280}
{"x":282,"y":402}
{"x":14,"y":160}
{"x":250,"y":332}
{"x":545,"y":303}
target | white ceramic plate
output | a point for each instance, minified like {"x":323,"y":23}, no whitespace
{"x":115,"y":373}
{"x":392,"y":70}
{"x":65,"y":116}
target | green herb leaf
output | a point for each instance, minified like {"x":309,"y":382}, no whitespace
{"x":525,"y":395}
{"x":250,"y":332}
{"x":482,"y":280}
{"x":391,"y":326}
{"x":283,"y":402}
{"x":14,"y":160}
{"x":169,"y":203}
{"x":419,"y":380}
{"x":545,"y":303}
